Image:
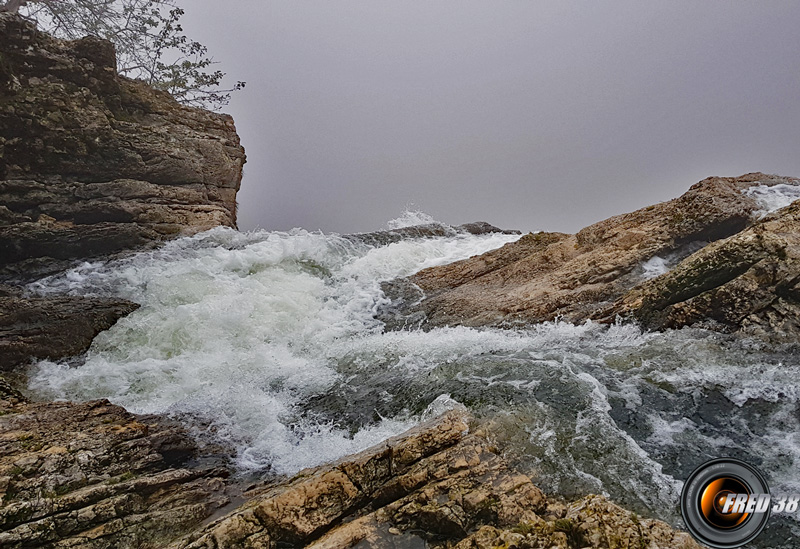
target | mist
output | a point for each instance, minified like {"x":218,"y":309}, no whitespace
{"x":528,"y":115}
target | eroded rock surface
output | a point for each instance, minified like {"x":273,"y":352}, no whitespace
{"x":737,"y":278}
{"x":748,"y":283}
{"x":92,"y":162}
{"x":92,"y":475}
{"x":53,"y":327}
{"x":437,"y":484}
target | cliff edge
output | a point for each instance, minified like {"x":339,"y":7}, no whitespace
{"x":94,"y":163}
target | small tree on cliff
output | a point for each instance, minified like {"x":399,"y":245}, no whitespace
{"x":150,"y":42}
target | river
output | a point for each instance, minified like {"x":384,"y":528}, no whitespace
{"x":269,"y":343}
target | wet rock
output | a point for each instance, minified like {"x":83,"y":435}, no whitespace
{"x":93,"y":475}
{"x":438,"y":485}
{"x":748,"y":283}
{"x":310,"y":503}
{"x":590,"y":522}
{"x":92,"y":162}
{"x":402,"y":295}
{"x":546,"y":276}
{"x":53,"y":327}
{"x":430,"y":230}
{"x":482,"y":227}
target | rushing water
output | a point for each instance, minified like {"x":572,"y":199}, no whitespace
{"x":269,"y":340}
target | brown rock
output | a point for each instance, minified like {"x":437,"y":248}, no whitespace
{"x":309,"y":504}
{"x":747,"y":283}
{"x":590,"y":522}
{"x":92,"y":162}
{"x":546,"y":276}
{"x":53,"y":327}
{"x":93,"y":475}
{"x":435,"y":486}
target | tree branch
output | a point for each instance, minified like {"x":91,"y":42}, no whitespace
{"x":145,"y":33}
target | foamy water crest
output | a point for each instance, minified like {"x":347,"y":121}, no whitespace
{"x":411,"y":218}
{"x":268,"y":341}
{"x":773,"y":198}
{"x":238,"y":329}
{"x":655,"y":266}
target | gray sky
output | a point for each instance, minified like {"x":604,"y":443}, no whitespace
{"x":526,"y":114}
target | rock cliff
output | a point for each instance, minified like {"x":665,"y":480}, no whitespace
{"x":707,"y":258}
{"x":92,"y":162}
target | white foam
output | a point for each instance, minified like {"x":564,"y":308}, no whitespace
{"x":411,"y":218}
{"x":740,"y":383}
{"x":655,"y":266}
{"x":239,"y":328}
{"x":441,"y":404}
{"x":246,"y":330}
{"x":632,"y":466}
{"x":773,"y":198}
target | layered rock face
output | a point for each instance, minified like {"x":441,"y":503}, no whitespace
{"x":748,"y":283}
{"x":92,"y":162}
{"x":437,"y":485}
{"x":93,"y":475}
{"x":727,"y":269}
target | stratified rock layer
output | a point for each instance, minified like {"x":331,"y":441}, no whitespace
{"x":92,"y":475}
{"x":435,"y":486}
{"x":743,"y":277}
{"x":748,"y":283}
{"x":92,"y":162}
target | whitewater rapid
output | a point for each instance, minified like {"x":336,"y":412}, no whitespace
{"x":237,"y":329}
{"x":268,"y":341}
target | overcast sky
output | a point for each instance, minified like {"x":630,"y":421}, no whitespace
{"x":526,"y":114}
